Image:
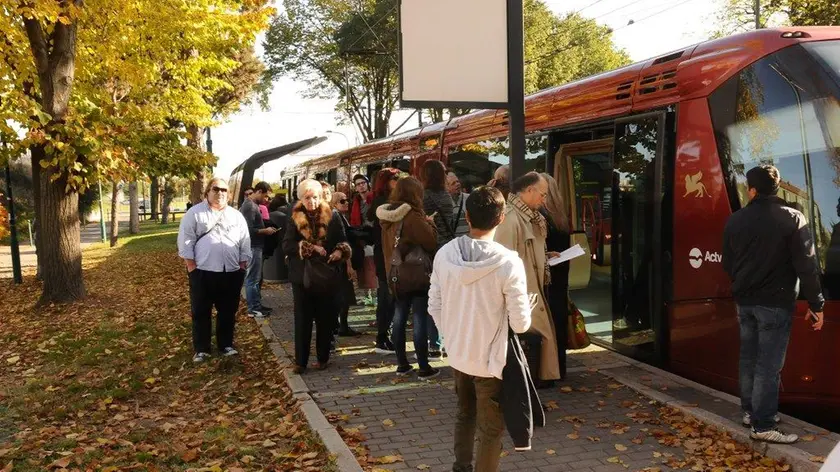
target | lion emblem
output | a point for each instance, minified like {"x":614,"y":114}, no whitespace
{"x":695,"y":186}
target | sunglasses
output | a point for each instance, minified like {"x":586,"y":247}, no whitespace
{"x":344,"y":201}
{"x":220,"y":190}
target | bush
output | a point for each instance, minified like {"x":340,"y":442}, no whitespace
{"x":4,"y":222}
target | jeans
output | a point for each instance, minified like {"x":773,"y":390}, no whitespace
{"x":209,"y":289}
{"x":434,"y":335}
{"x":765,"y":332}
{"x":252,"y":280}
{"x":419,"y":304}
{"x":478,"y":407}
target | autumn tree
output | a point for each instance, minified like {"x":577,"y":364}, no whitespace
{"x":736,"y":16}
{"x":85,"y":79}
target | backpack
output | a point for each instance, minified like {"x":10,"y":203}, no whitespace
{"x":411,"y":269}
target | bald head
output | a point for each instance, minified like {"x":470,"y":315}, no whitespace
{"x":502,"y":174}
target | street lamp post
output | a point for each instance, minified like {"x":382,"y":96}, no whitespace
{"x":342,"y":135}
{"x":16,"y":271}
{"x":101,"y":210}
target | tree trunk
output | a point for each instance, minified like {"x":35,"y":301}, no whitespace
{"x":195,"y":140}
{"x":134,"y":219}
{"x":154,"y":194}
{"x":59,"y":239}
{"x":168,"y":193}
{"x":115,"y":214}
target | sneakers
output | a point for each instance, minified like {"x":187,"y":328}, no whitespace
{"x":428,"y":374}
{"x":385,"y":348}
{"x":404,"y":370}
{"x":229,"y":351}
{"x":747,"y":419}
{"x":201,"y":357}
{"x":257,"y":314}
{"x":774,"y":436}
{"x":435,"y":355}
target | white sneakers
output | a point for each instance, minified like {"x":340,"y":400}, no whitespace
{"x":747,"y":419}
{"x":201,"y":357}
{"x":774,"y":436}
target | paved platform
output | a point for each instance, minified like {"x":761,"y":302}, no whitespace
{"x":611,"y":414}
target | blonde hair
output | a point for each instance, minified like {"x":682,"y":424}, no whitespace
{"x":335,"y":199}
{"x":308,"y":185}
{"x":211,"y":184}
{"x":556,"y":205}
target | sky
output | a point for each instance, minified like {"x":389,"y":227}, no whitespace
{"x":660,"y":26}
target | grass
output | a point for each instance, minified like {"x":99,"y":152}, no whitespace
{"x":109,"y":382}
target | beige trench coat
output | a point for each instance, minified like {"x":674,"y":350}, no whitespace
{"x":518,"y":234}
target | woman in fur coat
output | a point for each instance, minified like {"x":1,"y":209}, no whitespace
{"x":316,"y":232}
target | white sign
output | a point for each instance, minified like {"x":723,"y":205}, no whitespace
{"x":454,"y":52}
{"x":696,"y":257}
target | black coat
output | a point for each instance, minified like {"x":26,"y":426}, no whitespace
{"x":521,"y":405}
{"x":328,"y":233}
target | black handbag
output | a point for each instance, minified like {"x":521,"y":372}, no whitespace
{"x":318,"y":275}
{"x":411,"y":270}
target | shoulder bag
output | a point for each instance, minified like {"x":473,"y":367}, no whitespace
{"x":319,"y":276}
{"x":411,"y":270}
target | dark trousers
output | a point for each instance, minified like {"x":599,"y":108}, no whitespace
{"x":558,"y":303}
{"x":346,"y":298}
{"x":384,"y":308}
{"x":765,"y":332}
{"x":209,"y":289}
{"x":311,"y":308}
{"x":419,"y":305}
{"x":478,"y":408}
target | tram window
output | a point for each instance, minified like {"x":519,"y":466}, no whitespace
{"x":536,"y":153}
{"x":475,"y":163}
{"x":787,"y":112}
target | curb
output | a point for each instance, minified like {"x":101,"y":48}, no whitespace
{"x":798,"y":459}
{"x":344,"y":458}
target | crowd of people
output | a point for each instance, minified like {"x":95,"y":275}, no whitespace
{"x":470,"y":269}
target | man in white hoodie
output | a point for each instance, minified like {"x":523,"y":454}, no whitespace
{"x":478,"y":290}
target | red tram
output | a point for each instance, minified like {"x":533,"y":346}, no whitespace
{"x":652,"y":158}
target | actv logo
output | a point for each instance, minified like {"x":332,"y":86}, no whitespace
{"x":696,"y":257}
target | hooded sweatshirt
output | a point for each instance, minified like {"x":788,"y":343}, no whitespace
{"x":478,"y":289}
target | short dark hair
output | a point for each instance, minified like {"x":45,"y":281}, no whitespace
{"x":248,"y":188}
{"x":277,"y":202}
{"x":263,"y":187}
{"x":485,"y":207}
{"x":527,"y":180}
{"x":764,"y":179}
{"x":434,"y":175}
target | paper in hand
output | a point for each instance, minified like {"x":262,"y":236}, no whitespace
{"x":567,"y":255}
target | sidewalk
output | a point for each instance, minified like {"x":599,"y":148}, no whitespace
{"x":612,"y":414}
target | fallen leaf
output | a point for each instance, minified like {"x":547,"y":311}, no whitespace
{"x":423,"y":467}
{"x":573,"y":436}
{"x":808,"y":438}
{"x":593,"y":438}
{"x":613,"y":460}
{"x":13,"y":360}
{"x":190,"y":455}
{"x":566,"y":389}
{"x":620,"y":447}
{"x":504,"y":454}
{"x":551,"y":452}
{"x":432,"y":411}
{"x":388,"y":422}
{"x":62,"y":463}
{"x":269,"y":443}
{"x":389,"y":459}
{"x":820,"y":459}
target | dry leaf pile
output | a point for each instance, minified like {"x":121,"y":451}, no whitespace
{"x":108,"y":383}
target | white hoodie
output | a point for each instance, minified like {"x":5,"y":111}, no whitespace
{"x":478,"y":289}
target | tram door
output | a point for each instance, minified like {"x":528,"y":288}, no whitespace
{"x":637,"y":189}
{"x":615,"y":193}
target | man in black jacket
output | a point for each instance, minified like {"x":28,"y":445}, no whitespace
{"x":768,"y":252}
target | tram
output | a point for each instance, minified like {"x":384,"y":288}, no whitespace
{"x":652,"y":158}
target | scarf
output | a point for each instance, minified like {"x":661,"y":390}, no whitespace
{"x":357,"y":219}
{"x":538,"y":221}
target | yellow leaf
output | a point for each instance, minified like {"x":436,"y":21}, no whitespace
{"x":504,"y":454}
{"x":423,"y":467}
{"x":820,"y":459}
{"x":573,"y":436}
{"x":247,"y":459}
{"x":808,"y":438}
{"x":151,"y":381}
{"x":551,"y":452}
{"x":389,"y":459}
{"x":51,"y":388}
{"x":613,"y":460}
{"x":620,"y":447}
{"x":566,"y":389}
{"x":13,"y":360}
{"x":657,"y":454}
{"x":432,"y":411}
{"x":388,"y":422}
{"x":269,"y":443}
